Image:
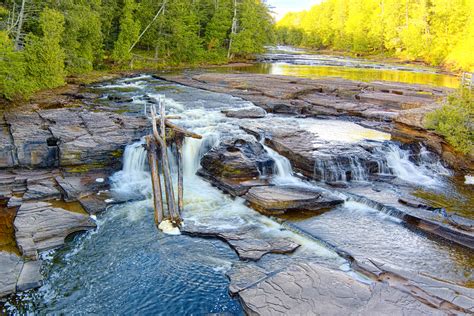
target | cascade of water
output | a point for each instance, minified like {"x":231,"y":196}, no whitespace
{"x":398,"y":160}
{"x":134,"y":179}
{"x":282,"y":170}
{"x":332,"y":170}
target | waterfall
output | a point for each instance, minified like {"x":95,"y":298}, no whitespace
{"x":425,"y":173}
{"x":133,"y":181}
{"x":340,"y":169}
{"x":282,"y":171}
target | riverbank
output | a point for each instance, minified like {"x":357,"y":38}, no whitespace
{"x":78,"y":143}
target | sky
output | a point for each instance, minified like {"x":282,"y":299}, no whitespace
{"x":281,"y":7}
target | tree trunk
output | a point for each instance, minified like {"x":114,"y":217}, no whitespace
{"x":20,"y":25}
{"x":179,"y":146}
{"x":233,"y":30}
{"x":155,"y":179}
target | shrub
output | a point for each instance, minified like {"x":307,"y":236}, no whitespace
{"x":455,"y":120}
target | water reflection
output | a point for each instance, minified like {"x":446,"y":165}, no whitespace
{"x":351,"y":73}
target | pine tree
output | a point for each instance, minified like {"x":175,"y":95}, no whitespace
{"x":255,"y":28}
{"x":129,"y":31}
{"x":13,"y":80}
{"x":43,"y":55}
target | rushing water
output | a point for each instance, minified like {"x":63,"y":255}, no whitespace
{"x":127,"y":266}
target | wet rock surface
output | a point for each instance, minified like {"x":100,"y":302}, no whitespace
{"x":248,"y":241}
{"x":40,"y":226}
{"x":253,"y":112}
{"x":325,"y":96}
{"x":404,"y":106}
{"x":65,"y":137}
{"x":237,"y":159}
{"x":10,"y":268}
{"x":281,"y":199}
{"x":308,"y":288}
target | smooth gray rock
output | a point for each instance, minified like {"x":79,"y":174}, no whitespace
{"x":237,"y":159}
{"x":247,"y":241}
{"x":10,"y":267}
{"x":311,"y":289}
{"x":251,"y":112}
{"x":281,"y":199}
{"x":39,"y":226}
{"x":30,"y":276}
{"x":234,"y":187}
{"x":31,"y":138}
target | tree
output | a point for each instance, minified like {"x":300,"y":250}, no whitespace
{"x":13,"y":79}
{"x":255,"y":28}
{"x":129,"y":31}
{"x":82,"y":38}
{"x":43,"y":55}
{"x":218,"y":28}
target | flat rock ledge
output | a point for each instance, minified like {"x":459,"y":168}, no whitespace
{"x":306,"y":288}
{"x":17,"y":275}
{"x":251,"y":112}
{"x":10,"y":268}
{"x":247,"y":241}
{"x":40,"y":226}
{"x":274,"y":200}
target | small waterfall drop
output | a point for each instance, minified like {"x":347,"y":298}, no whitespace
{"x":400,"y":165}
{"x":282,"y":170}
{"x":133,"y":181}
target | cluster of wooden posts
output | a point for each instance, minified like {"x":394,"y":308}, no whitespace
{"x":164,"y":135}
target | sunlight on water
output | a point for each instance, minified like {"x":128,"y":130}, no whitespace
{"x":342,"y":131}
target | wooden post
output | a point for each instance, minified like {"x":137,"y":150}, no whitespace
{"x":161,"y":139}
{"x":179,"y":148}
{"x":155,"y":178}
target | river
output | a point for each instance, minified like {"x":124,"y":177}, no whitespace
{"x":127,"y":266}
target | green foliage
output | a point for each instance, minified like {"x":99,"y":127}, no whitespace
{"x":129,"y":31}
{"x":13,"y":80}
{"x":73,"y":37}
{"x":184,"y":43}
{"x":440,"y":32}
{"x":255,"y":28}
{"x":44,"y":55}
{"x":218,"y":28}
{"x":455,"y":120}
{"x":82,"y":39}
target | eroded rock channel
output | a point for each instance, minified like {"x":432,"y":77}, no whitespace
{"x":310,"y":185}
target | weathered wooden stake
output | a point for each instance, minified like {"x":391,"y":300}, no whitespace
{"x":153,"y":160}
{"x":179,"y":148}
{"x":156,"y":142}
{"x":161,"y":139}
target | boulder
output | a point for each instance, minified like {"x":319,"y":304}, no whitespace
{"x":237,"y":159}
{"x":10,"y":267}
{"x":40,"y":226}
{"x":251,"y":112}
{"x":280,"y":199}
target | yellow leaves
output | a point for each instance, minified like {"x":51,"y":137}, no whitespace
{"x":436,"y":31}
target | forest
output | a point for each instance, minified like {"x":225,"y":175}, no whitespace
{"x":42,"y":42}
{"x":438,"y":32}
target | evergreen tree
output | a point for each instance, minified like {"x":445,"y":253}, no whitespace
{"x":218,"y":28}
{"x":129,"y":31}
{"x":255,"y":28}
{"x":82,"y":39}
{"x":13,"y":79}
{"x":43,"y":55}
